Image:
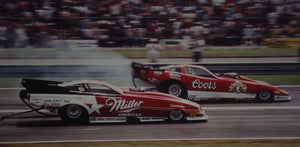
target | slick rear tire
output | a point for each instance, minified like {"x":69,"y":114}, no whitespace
{"x":174,"y":88}
{"x":176,"y":115}
{"x":73,"y":114}
{"x":265,"y":96}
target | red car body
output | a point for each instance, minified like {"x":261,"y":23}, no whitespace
{"x":198,"y":83}
{"x":98,"y":101}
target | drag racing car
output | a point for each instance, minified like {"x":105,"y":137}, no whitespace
{"x":198,"y":83}
{"x":97,"y":101}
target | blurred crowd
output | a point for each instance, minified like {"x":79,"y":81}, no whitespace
{"x":134,"y":22}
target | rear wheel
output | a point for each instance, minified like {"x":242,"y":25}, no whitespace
{"x":73,"y":114}
{"x":176,"y":115}
{"x":265,"y":96}
{"x":173,"y":88}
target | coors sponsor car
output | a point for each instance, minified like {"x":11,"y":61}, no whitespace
{"x":198,"y":83}
{"x":98,"y":101}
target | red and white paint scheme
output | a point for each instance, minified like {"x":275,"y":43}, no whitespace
{"x":198,"y":83}
{"x":98,"y":101}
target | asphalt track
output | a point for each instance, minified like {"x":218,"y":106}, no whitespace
{"x":236,"y":120}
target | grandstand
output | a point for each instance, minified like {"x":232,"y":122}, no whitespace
{"x":133,"y":22}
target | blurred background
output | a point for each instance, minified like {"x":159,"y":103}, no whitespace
{"x":115,"y":23}
{"x":91,"y":38}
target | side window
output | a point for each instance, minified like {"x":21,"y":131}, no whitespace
{"x":176,"y":69}
{"x":189,"y":70}
{"x":198,"y":72}
{"x":202,"y":73}
{"x":98,"y":88}
{"x":78,"y":87}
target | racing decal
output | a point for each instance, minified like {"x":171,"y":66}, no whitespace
{"x":204,"y":85}
{"x":123,"y":105}
{"x":94,"y":108}
{"x":175,"y":76}
{"x":130,"y":114}
{"x":143,"y":74}
{"x":153,"y":80}
{"x":177,"y":106}
{"x":276,"y":92}
{"x":238,"y":87}
{"x":157,"y":73}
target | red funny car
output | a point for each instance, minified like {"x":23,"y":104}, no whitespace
{"x":197,"y":83}
{"x":98,"y":101}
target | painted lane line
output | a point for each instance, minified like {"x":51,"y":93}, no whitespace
{"x":254,"y":108}
{"x":19,"y":111}
{"x":205,"y":108}
{"x":158,"y":139}
{"x":125,"y":87}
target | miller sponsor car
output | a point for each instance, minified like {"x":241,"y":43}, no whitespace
{"x":198,"y":83}
{"x":97,"y":101}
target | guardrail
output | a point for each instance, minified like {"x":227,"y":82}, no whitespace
{"x":123,"y":71}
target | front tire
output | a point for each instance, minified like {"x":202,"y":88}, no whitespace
{"x":73,"y":114}
{"x":265,"y":96}
{"x":176,"y":115}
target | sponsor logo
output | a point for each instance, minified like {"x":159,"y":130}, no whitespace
{"x":123,"y":105}
{"x":175,"y":76}
{"x":143,"y":74}
{"x":130,"y":114}
{"x":238,"y":87}
{"x":177,"y":106}
{"x":157,"y":73}
{"x":204,"y":85}
{"x":153,"y":80}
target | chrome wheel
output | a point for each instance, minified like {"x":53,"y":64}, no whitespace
{"x":265,"y":95}
{"x":74,"y":111}
{"x":175,"y":89}
{"x":176,"y":115}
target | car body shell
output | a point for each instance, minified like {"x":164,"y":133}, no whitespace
{"x":200,"y":83}
{"x":106,"y":103}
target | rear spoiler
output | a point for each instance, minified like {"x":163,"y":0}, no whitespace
{"x":43,"y":86}
{"x":139,"y":70}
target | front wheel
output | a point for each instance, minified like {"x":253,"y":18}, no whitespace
{"x":73,"y":114}
{"x":265,"y":96}
{"x":176,"y":115}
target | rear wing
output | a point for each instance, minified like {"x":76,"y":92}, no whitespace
{"x":43,"y":86}
{"x":139,"y":70}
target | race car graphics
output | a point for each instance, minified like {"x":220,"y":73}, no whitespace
{"x":97,"y":101}
{"x":123,"y":105}
{"x":204,"y":85}
{"x":191,"y":81}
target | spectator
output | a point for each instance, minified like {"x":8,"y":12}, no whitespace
{"x":153,"y":48}
{"x":197,"y":49}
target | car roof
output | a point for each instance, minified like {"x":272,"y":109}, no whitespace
{"x":84,"y":81}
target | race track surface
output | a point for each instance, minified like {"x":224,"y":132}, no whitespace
{"x":238,"y":119}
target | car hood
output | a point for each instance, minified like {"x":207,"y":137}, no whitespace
{"x":161,"y":96}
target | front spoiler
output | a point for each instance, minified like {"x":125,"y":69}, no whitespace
{"x":205,"y":117}
{"x":282,"y":98}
